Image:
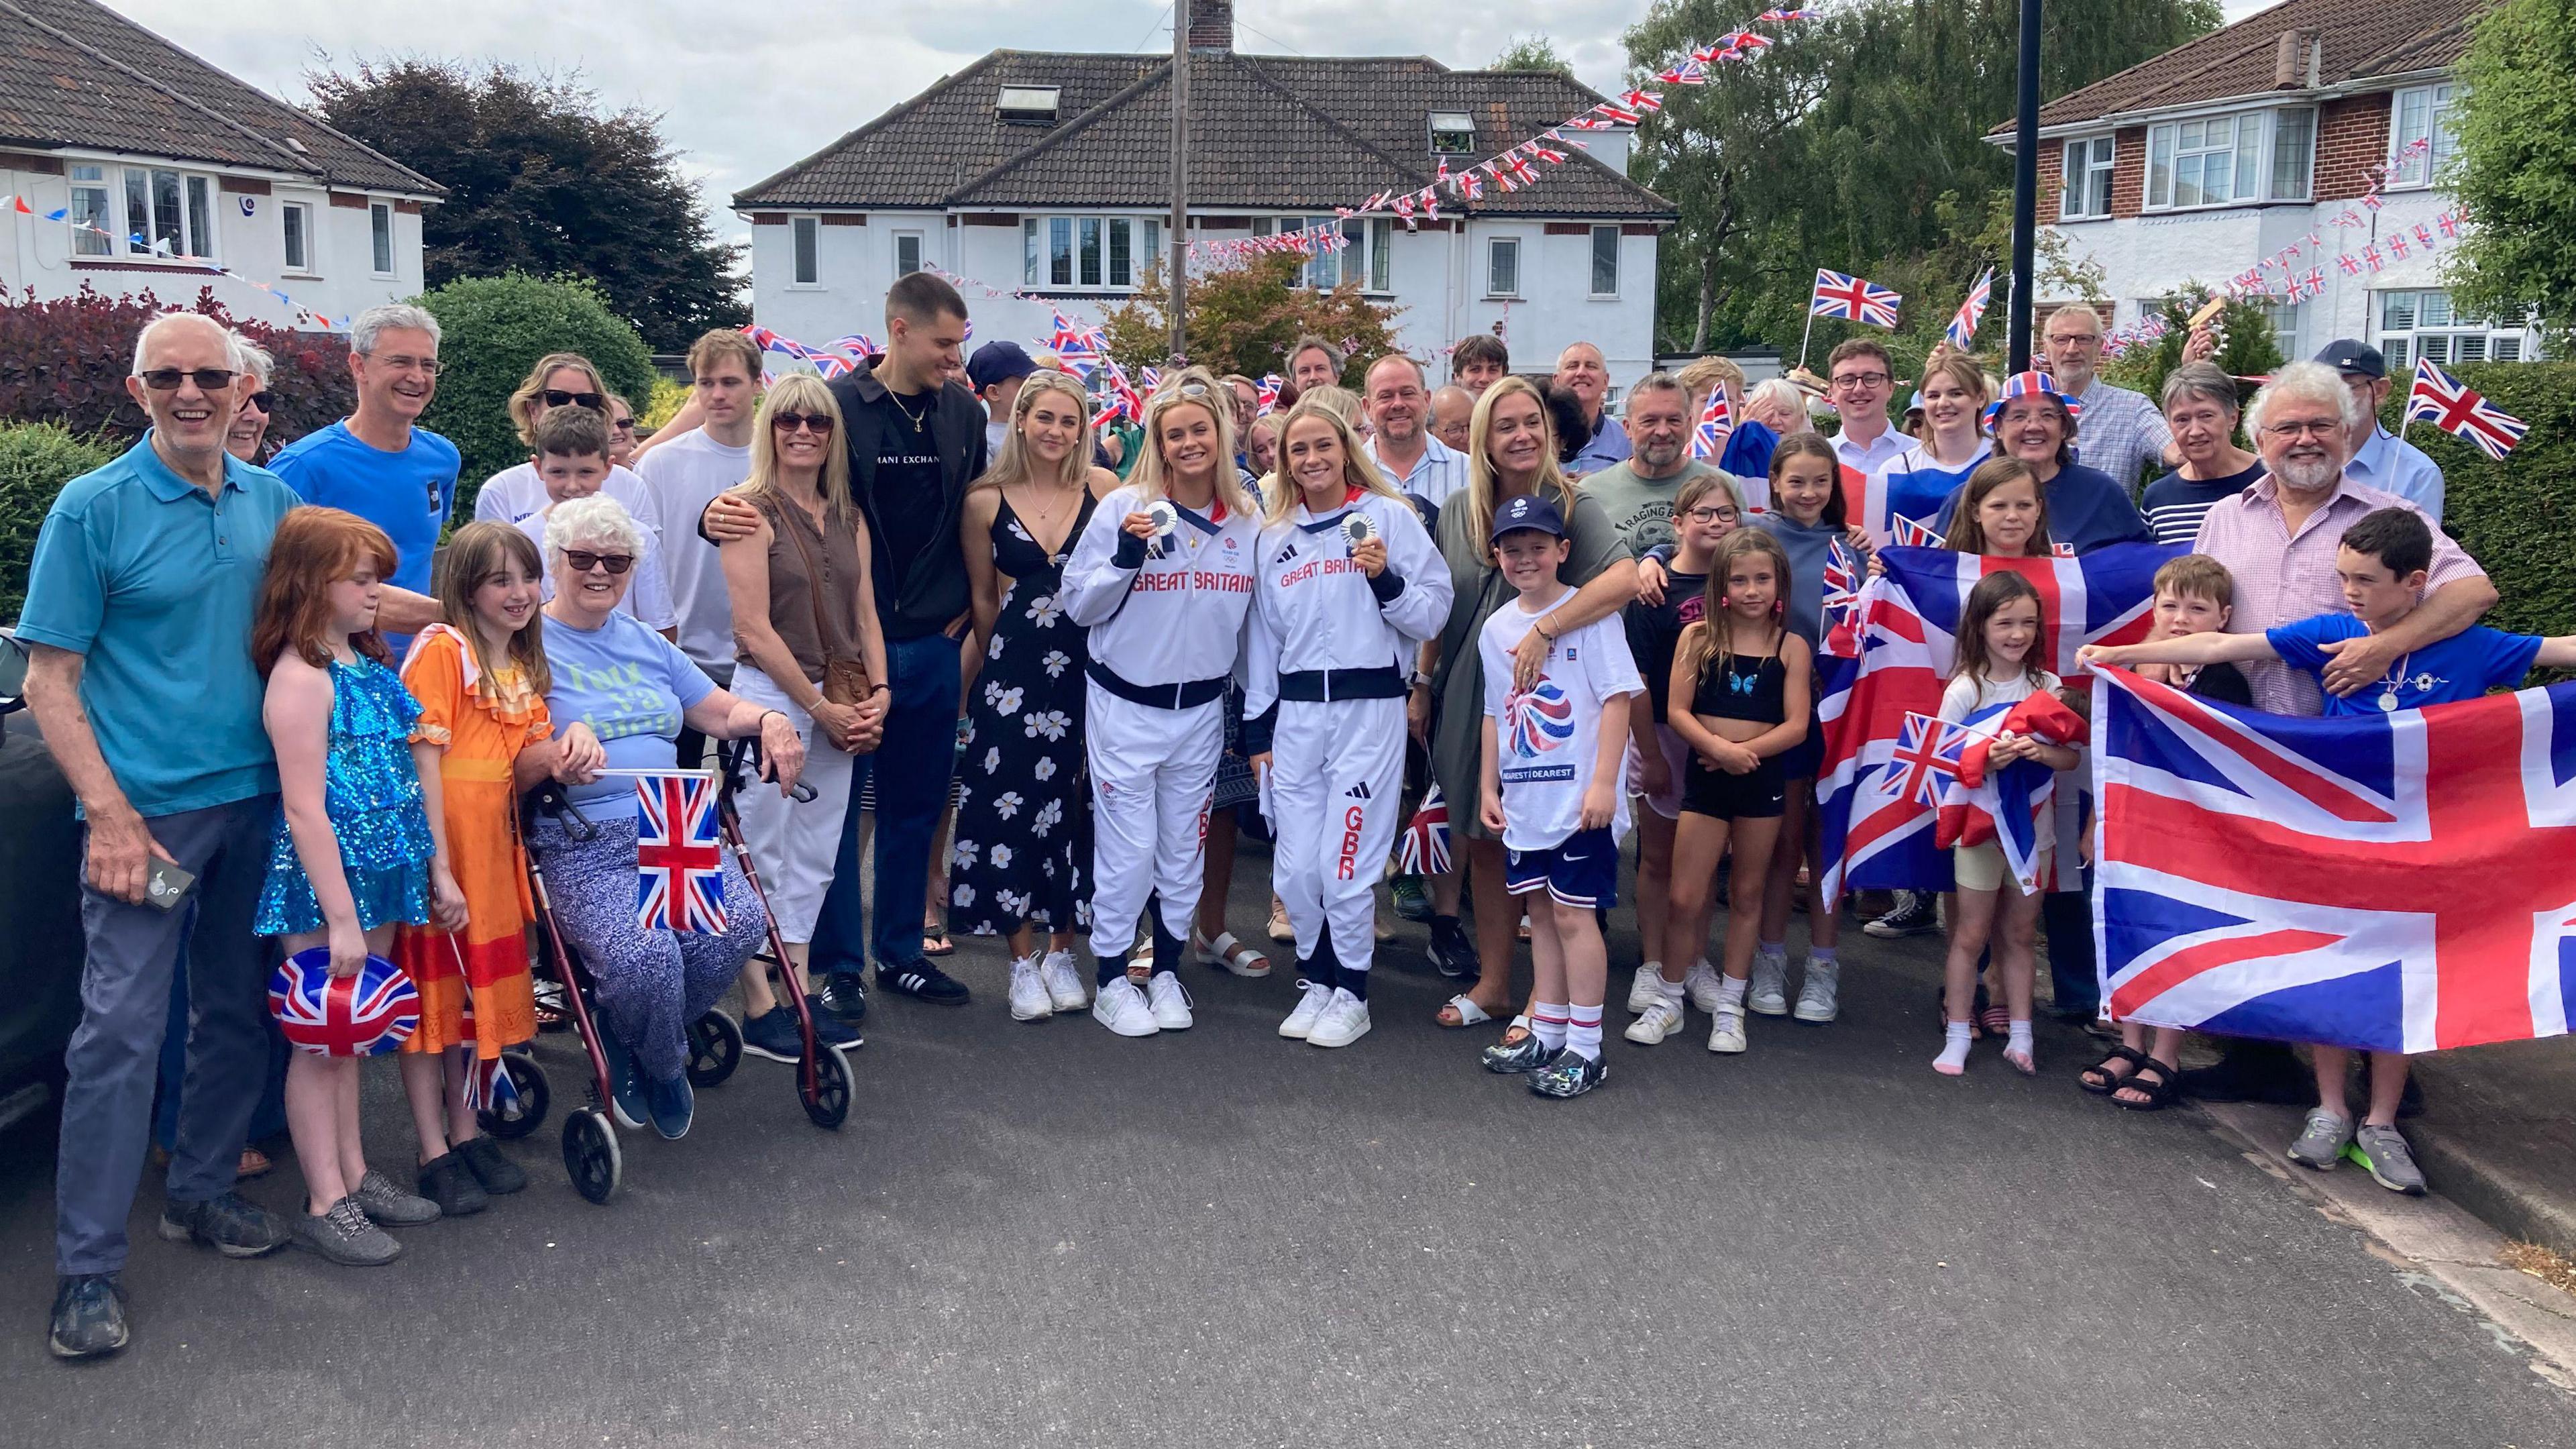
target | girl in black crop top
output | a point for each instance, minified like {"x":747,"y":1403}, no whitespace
{"x":1746,"y":676}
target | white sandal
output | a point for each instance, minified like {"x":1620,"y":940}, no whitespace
{"x":1228,"y":954}
{"x":1469,"y":1013}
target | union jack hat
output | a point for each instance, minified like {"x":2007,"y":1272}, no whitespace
{"x":2031,"y":384}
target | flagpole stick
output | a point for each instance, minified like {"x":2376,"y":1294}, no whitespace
{"x":1802,"y":340}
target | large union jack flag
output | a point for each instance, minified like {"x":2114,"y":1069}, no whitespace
{"x":2391,"y":882}
{"x":1854,"y":299}
{"x":679,"y":857}
{"x":2445,"y":402}
{"x":1876,"y":836}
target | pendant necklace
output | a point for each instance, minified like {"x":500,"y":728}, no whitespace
{"x":2396,"y":677}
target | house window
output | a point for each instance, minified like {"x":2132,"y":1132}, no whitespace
{"x":1453,"y":133}
{"x":1091,"y":258}
{"x":805,"y":233}
{"x":2230,"y":160}
{"x":171,"y":213}
{"x":2424,"y":324}
{"x":1096,"y":252}
{"x":93,"y":220}
{"x":2294,"y":148}
{"x":380,"y":236}
{"x":297,"y":220}
{"x":1060,"y":251}
{"x":1503,"y":266}
{"x":2421,"y":114}
{"x":2088,"y":179}
{"x":1381,"y":255}
{"x":907,"y":253}
{"x":1605,"y":261}
{"x":2282,"y":318}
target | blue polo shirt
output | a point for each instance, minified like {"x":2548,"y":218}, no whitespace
{"x":407,"y":494}
{"x":154,"y":583}
{"x":2464,"y":666}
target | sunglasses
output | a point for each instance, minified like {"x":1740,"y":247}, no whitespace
{"x":264,"y":400}
{"x":816,"y":423}
{"x":583,"y":561}
{"x":207,"y":379}
{"x":622,"y":425}
{"x":556,"y":398}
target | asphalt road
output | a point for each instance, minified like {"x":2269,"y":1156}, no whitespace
{"x":1045,"y":1234}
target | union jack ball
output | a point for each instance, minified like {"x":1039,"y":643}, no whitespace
{"x":365,"y":1015}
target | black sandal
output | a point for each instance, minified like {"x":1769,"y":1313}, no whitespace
{"x":2101,"y":1081}
{"x":2159,"y":1089}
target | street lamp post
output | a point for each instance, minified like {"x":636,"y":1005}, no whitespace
{"x":2025,"y":254}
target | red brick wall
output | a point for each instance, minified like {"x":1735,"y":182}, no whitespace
{"x":2052,"y":179}
{"x":2128,"y":170}
{"x":2352,"y":137}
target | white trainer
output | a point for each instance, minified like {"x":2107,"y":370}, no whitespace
{"x":1170,"y":1002}
{"x":1029,"y":998}
{"x":1769,"y":993}
{"x":1647,"y":989}
{"x":1700,"y":984}
{"x":1726,"y":1033}
{"x":1312,"y":998}
{"x":1345,"y":1021}
{"x":1063,"y":982}
{"x":1121,"y":1008}
{"x":1661,"y":1020}
{"x":1816,"y":998}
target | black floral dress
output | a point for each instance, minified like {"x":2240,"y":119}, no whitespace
{"x":1023,"y":836}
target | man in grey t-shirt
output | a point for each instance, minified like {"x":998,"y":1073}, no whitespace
{"x":1639,"y":493}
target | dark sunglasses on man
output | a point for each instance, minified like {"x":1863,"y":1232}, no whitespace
{"x":557,"y":398}
{"x":208,"y":379}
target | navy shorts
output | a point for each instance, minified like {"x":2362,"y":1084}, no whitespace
{"x":1581,"y":870}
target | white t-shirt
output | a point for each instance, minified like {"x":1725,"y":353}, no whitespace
{"x":684,"y":475}
{"x":1551,"y":733}
{"x":648,"y":596}
{"x":517,"y":491}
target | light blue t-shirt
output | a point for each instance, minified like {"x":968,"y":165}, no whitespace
{"x":630,"y":685}
{"x":2464,"y":666}
{"x":154,"y":583}
{"x":407,"y":494}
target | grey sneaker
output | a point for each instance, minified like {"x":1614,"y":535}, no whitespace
{"x":2390,"y":1161}
{"x":344,"y":1236}
{"x":385,"y":1203}
{"x":1817,"y":994}
{"x":1768,"y":995}
{"x":2322,"y":1140}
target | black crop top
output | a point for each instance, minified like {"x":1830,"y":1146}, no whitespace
{"x":1754,"y":689}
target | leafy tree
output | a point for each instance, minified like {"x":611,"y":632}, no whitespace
{"x":2516,"y":173}
{"x":1241,"y":319}
{"x":1532,"y":52}
{"x":492,"y":330}
{"x":541,"y":180}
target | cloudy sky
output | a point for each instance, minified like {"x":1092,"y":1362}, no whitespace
{"x":747,"y":89}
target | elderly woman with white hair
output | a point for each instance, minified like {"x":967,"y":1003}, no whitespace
{"x":247,"y":438}
{"x":635,"y":689}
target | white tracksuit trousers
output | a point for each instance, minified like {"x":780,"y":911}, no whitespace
{"x":1152,"y":771}
{"x":1336,"y":786}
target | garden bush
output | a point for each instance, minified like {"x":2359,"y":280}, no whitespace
{"x":36,"y":460}
{"x":492,"y":330}
{"x":66,"y":361}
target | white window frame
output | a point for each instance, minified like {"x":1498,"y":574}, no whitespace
{"x":1592,"y":243}
{"x":191,"y":246}
{"x":920,"y":252}
{"x":2441,"y":107}
{"x":2166,"y":148}
{"x":805,"y":253}
{"x":1494,"y":246}
{"x":1102,"y":233}
{"x":380,"y":225}
{"x":108,"y":187}
{"x":287,"y":211}
{"x":2413,"y":322}
{"x":1460,"y":129}
{"x":2082,"y":162}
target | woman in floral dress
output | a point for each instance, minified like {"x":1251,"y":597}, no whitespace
{"x":1023,"y":820}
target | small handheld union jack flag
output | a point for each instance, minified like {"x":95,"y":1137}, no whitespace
{"x":1927,"y":756}
{"x":1716,"y":424}
{"x":1425,"y":847}
{"x":1854,"y":299}
{"x":2442,"y":400}
{"x":1962,"y":330}
{"x":1266,"y":394}
{"x":1905,"y":532}
{"x":1842,"y":582}
{"x":679,"y":859}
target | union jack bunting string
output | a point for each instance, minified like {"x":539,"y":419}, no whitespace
{"x":2374,"y":255}
{"x":679,"y":859}
{"x":160,"y":247}
{"x":1963,"y":327}
{"x":2442,"y":400}
{"x":1854,"y":299}
{"x":1716,"y":424}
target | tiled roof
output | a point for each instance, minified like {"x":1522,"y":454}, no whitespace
{"x":1291,"y":132}
{"x":75,"y":73}
{"x":2361,"y":42}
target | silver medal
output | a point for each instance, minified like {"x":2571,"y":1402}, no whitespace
{"x":1359,"y":528}
{"x":1165,"y":517}
{"x":2388,"y":700}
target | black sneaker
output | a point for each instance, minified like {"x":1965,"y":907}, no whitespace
{"x":1915,"y":914}
{"x":1526,"y":1055}
{"x":89,"y":1316}
{"x":1453,"y":951}
{"x":845,"y":993}
{"x":447,"y":1181}
{"x":1571,"y":1074}
{"x":832,"y":1028}
{"x":923,"y":982}
{"x":232,"y":1225}
{"x":491,"y":1167}
{"x":774,"y":1036}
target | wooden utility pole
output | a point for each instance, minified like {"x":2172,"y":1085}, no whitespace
{"x":1180,"y":272}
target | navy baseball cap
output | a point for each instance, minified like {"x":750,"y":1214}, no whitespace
{"x":2354,"y":359}
{"x":1529,"y":512}
{"x":998,"y":362}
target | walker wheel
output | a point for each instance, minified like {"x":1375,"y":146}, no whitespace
{"x":590,"y":1154}
{"x":829,"y":1103}
{"x":535,"y":1096}
{"x":715,"y":1049}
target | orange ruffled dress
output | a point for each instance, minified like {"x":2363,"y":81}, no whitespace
{"x":474,"y":985}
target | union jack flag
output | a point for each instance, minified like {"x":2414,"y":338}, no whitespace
{"x":856,"y":344}
{"x":1912,"y":533}
{"x":1688,"y":73}
{"x":1927,"y":758}
{"x":1425,"y":847}
{"x":2397,"y":247}
{"x":1591,"y":121}
{"x":1517,"y":169}
{"x":2013,"y":807}
{"x":679,"y":859}
{"x":1963,"y":328}
{"x":1716,"y":424}
{"x":2442,"y":400}
{"x":2370,"y":256}
{"x":2448,"y":222}
{"x":1641,"y":101}
{"x":1841,"y":593}
{"x":1908,"y":616}
{"x":365,"y":1014}
{"x":1854,"y":299}
{"x":1266,"y":393}
{"x":2351,"y":265}
{"x":2390,"y":882}
{"x":1078,"y":345}
{"x":2423,"y":236}
{"x":1612,"y":111}
{"x":1788,"y":15}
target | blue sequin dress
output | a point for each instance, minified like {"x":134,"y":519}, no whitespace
{"x":373,"y":797}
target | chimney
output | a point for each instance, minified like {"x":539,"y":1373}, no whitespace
{"x":2295,"y":52}
{"x":1212,"y":26}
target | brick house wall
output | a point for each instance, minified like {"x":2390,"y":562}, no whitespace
{"x":2128,"y":170}
{"x":2052,"y":180}
{"x":2352,"y":137}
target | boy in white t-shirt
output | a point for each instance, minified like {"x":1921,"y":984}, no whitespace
{"x":687,"y":471}
{"x":1555,"y":754}
{"x":571,"y":461}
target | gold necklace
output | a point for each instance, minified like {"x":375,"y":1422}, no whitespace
{"x":897,"y":399}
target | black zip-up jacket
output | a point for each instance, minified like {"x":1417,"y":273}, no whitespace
{"x":933,"y":591}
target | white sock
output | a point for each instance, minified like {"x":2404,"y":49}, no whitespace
{"x":1730,"y":992}
{"x":1657,"y":967}
{"x":1954,"y":1049}
{"x":1548,"y":1021}
{"x":2017,"y":1038}
{"x":1672,"y":991}
{"x":1583,"y":1032}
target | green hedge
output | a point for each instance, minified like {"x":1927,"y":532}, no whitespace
{"x":36,"y":460}
{"x":2517,"y":518}
{"x":491,"y":331}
